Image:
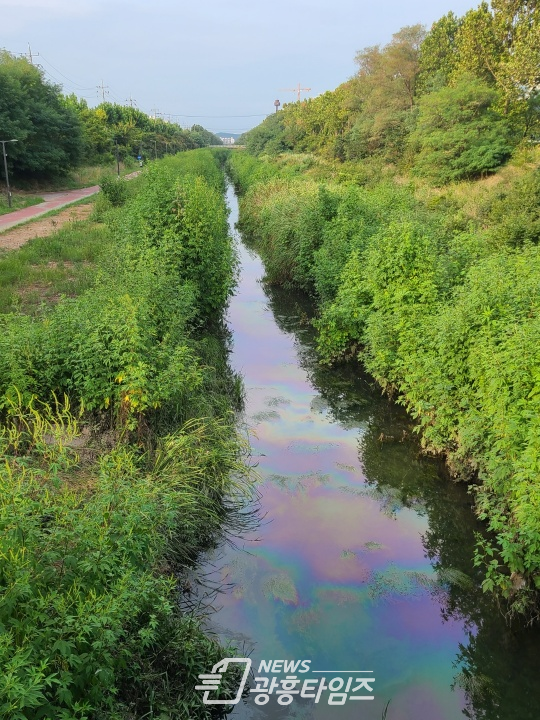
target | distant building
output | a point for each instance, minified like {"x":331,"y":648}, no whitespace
{"x":227,"y":140}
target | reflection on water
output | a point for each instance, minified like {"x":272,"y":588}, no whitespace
{"x":364,"y":557}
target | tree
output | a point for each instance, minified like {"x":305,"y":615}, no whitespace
{"x":478,"y":47}
{"x":502,"y":46}
{"x":269,"y":136}
{"x":33,"y":112}
{"x":385,"y":87}
{"x":391,"y":73}
{"x":438,"y":53}
{"x":318,"y":124}
{"x":517,"y":24}
{"x":459,"y":133}
{"x":203,"y":137}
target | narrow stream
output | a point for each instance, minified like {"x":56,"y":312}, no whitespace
{"x":363,"y":559}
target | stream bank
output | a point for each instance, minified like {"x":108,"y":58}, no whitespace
{"x":364,"y":555}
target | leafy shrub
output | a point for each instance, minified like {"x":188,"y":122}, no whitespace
{"x":515,"y":216}
{"x":91,"y":553}
{"x":124,"y":346}
{"x":114,"y":189}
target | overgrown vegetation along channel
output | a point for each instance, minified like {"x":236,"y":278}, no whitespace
{"x":440,"y":304}
{"x":379,"y":204}
{"x":120,"y":459}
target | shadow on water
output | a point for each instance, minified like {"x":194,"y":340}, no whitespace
{"x":364,"y":556}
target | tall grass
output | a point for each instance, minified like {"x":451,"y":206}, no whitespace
{"x":45,"y":268}
{"x":18,"y":202}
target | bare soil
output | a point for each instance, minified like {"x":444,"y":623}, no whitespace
{"x":19,"y":235}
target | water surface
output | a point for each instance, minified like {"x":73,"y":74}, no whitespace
{"x":363,"y":558}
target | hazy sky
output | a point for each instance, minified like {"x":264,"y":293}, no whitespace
{"x":201,"y":59}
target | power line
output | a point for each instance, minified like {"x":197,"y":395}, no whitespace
{"x":222,"y":116}
{"x":105,"y":91}
{"x":182,"y":115}
{"x":72,"y":82}
{"x":30,"y":57}
{"x":62,"y":84}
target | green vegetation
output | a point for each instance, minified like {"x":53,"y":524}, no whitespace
{"x":120,"y":461}
{"x":18,"y":202}
{"x":436,"y":292}
{"x":45,"y":269}
{"x":111,"y":129}
{"x":365,"y":198}
{"x":57,"y":133}
{"x":418,"y":102}
{"x":458,"y":133}
{"x":33,"y":112}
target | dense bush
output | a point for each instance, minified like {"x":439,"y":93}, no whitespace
{"x":114,"y":190}
{"x":124,"y":346}
{"x":245,"y":171}
{"x":88,"y":601}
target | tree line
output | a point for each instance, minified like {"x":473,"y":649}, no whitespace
{"x":447,"y":104}
{"x":56,"y":132}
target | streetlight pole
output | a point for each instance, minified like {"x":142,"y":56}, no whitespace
{"x":6,"y":170}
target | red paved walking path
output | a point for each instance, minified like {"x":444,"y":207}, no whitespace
{"x":53,"y":201}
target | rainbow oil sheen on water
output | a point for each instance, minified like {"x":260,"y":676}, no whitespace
{"x":363,"y":556}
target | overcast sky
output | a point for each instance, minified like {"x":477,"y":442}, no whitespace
{"x":206,"y":59}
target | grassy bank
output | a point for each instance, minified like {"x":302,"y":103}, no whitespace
{"x":120,"y":461}
{"x":18,"y":202}
{"x":45,"y":269}
{"x":436,"y":292}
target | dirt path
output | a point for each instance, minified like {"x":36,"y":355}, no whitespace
{"x":17,"y":236}
{"x":53,"y":201}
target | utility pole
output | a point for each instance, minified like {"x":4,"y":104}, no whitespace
{"x":131,"y":101}
{"x":297,"y":90}
{"x":277,"y":104}
{"x":104,"y":89}
{"x":30,"y":56}
{"x":6,"y":168}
